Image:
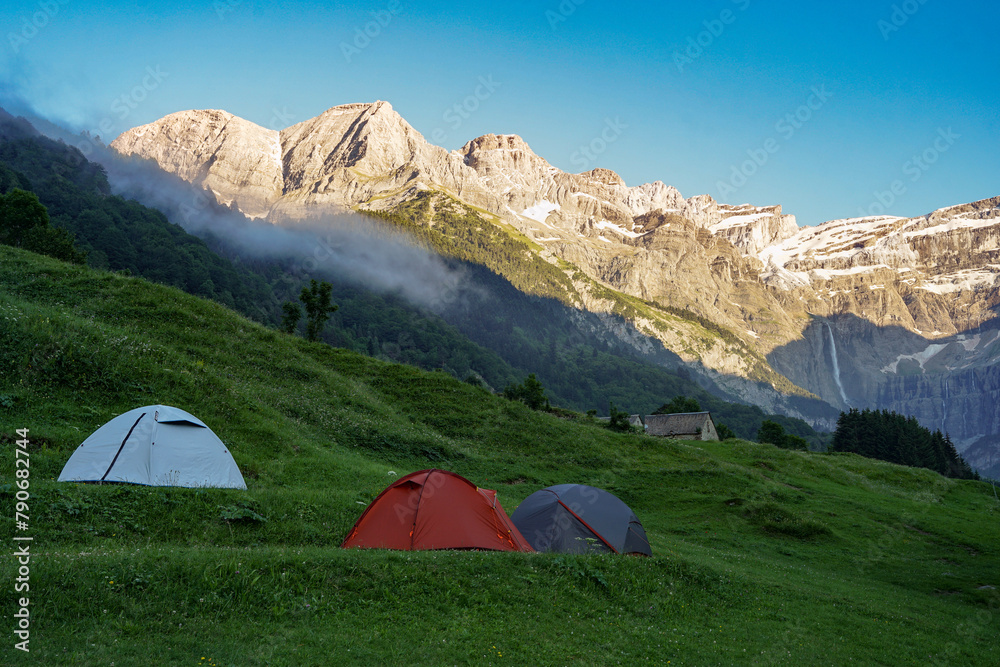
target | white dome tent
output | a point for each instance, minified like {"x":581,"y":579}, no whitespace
{"x":156,"y":445}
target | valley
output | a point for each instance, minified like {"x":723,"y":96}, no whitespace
{"x":754,"y":547}
{"x":449,"y":333}
{"x":778,"y":301}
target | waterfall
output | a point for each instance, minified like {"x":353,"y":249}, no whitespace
{"x":836,"y":366}
{"x":944,"y":408}
{"x":965,"y":423}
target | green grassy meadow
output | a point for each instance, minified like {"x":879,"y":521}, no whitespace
{"x":761,"y":555}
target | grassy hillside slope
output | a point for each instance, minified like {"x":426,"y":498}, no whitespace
{"x":500,"y":334}
{"x":762,"y":555}
{"x":455,"y":229}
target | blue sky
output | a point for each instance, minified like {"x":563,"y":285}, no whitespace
{"x":832,"y":109}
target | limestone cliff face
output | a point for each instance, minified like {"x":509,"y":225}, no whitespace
{"x":675,"y":262}
{"x":237,"y":160}
{"x":368,"y":156}
{"x":904,"y":316}
{"x":362,"y":154}
{"x":869,"y":312}
{"x":951,"y":383}
{"x":365,"y":156}
{"x":753,"y":228}
{"x":935,"y":276}
{"x":529,"y":187}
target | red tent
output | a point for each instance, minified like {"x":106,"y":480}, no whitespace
{"x":436,"y":509}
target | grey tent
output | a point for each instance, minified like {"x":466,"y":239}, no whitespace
{"x":575,"y":518}
{"x":156,"y":445}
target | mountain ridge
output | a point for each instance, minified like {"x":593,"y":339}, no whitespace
{"x":487,"y":328}
{"x":375,"y":141}
{"x":783,"y":291}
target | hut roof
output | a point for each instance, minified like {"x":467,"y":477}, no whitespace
{"x":684,"y":423}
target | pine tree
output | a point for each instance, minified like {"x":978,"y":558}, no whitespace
{"x":892,"y":437}
{"x":534,"y":393}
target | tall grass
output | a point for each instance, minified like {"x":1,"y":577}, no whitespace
{"x":761,"y":555}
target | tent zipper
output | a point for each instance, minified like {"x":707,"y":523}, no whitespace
{"x":122,"y":446}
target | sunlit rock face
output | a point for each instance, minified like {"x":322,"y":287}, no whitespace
{"x":882,"y":312}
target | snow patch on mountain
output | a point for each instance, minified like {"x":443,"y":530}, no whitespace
{"x":540,"y":211}
{"x":737,"y":221}
{"x":967,"y":279}
{"x":604,"y":224}
{"x":956,"y":223}
{"x":921,"y":357}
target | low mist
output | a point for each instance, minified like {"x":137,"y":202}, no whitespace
{"x":349,"y":247}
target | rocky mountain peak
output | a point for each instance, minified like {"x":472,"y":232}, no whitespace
{"x":493,"y":142}
{"x":504,"y":155}
{"x":237,"y":160}
{"x":367,"y":156}
{"x":362,"y":111}
{"x":604,"y":177}
{"x":370,"y":138}
{"x":895,"y":298}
